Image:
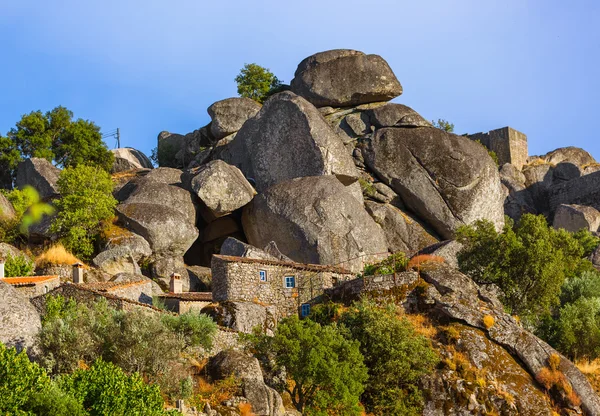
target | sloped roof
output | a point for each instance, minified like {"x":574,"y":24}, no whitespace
{"x":189,"y":296}
{"x":110,"y":286}
{"x":27,"y":280}
{"x":292,"y":265}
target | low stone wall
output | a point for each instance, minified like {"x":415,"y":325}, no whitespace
{"x":350,"y":291}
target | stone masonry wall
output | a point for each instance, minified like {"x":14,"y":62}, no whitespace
{"x":351,"y":290}
{"x":139,"y":292}
{"x":240,"y":282}
{"x":509,"y":145}
{"x":37,"y":289}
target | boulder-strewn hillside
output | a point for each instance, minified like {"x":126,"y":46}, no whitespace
{"x":331,"y":173}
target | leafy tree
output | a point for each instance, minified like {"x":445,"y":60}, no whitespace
{"x":56,"y":137}
{"x":443,"y":125}
{"x":104,"y":389}
{"x":529,"y":262}
{"x":256,"y":82}
{"x":578,"y":329}
{"x":396,"y":356}
{"x":327,"y":370}
{"x":86,"y":200}
{"x":19,"y":379}
{"x":9,"y":159}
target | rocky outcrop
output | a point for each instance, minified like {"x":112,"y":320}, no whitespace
{"x":19,"y":320}
{"x":40,"y":174}
{"x":127,"y":158}
{"x":453,"y":295}
{"x":265,"y":401}
{"x":402,"y":232}
{"x":314,"y":220}
{"x":518,"y":198}
{"x":581,"y":191}
{"x":117,"y":260}
{"x":117,"y":237}
{"x":8,"y":250}
{"x":447,"y":180}
{"x":448,"y":250}
{"x":222,"y":188}
{"x":396,"y":115}
{"x":236,"y":248}
{"x":243,"y":316}
{"x":573,"y":155}
{"x":288,"y":139}
{"x":7,"y":212}
{"x":230,"y":114}
{"x":167,"y":230}
{"x":343,"y":78}
{"x":576,"y":217}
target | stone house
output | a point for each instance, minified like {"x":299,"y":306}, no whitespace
{"x":32,"y":286}
{"x":179,"y":301}
{"x":290,"y":287}
{"x":139,"y":291}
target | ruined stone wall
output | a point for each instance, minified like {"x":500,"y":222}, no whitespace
{"x":351,"y":290}
{"x":509,"y":145}
{"x":240,"y":282}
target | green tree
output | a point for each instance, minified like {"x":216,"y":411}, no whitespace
{"x":327,"y":370}
{"x":396,"y":356}
{"x":443,"y":125}
{"x":578,"y":329}
{"x":86,"y":200}
{"x":9,"y":159}
{"x":56,"y":137}
{"x":529,"y":262}
{"x":256,"y":82}
{"x":104,"y":389}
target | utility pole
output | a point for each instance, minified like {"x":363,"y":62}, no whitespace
{"x":118,"y":138}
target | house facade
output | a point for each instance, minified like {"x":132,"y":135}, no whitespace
{"x":32,"y":286}
{"x":290,"y":287}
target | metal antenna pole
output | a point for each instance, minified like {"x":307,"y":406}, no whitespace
{"x":118,"y":138}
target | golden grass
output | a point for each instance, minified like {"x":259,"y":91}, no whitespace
{"x":56,"y":255}
{"x":554,"y":361}
{"x":589,"y":367}
{"x":417,"y":261}
{"x":245,"y":409}
{"x":422,"y":325}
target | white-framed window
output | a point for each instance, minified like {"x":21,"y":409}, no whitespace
{"x":262,"y":275}
{"x":290,"y":282}
{"x":305,"y":310}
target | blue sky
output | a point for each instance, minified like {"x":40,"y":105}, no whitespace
{"x":147,"y":66}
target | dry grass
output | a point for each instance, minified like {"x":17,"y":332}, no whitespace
{"x":554,"y":361}
{"x":488,"y":321}
{"x":422,"y":325}
{"x":56,"y":255}
{"x":245,"y":409}
{"x":589,"y":367}
{"x":218,"y":392}
{"x":421,"y":259}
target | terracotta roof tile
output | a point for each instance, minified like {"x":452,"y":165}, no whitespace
{"x":27,"y":280}
{"x":110,"y":286}
{"x":190,"y":296}
{"x":293,"y":265}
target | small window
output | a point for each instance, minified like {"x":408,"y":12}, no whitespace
{"x":290,"y":282}
{"x":305,"y":310}
{"x":263,"y":275}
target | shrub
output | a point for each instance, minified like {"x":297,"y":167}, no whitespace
{"x":86,"y":200}
{"x":29,"y":208}
{"x":554,"y":361}
{"x":443,"y":125}
{"x":367,"y":188}
{"x":54,"y":401}
{"x":196,"y":329}
{"x":578,"y":329}
{"x":56,"y":255}
{"x":256,"y":82}
{"x":488,"y":321}
{"x":18,"y":265}
{"x":105,"y":389}
{"x":397,"y":262}
{"x":529,"y":262}
{"x":396,"y":357}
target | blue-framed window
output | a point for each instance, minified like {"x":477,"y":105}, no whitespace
{"x":305,"y":310}
{"x":290,"y":282}
{"x":262,"y":275}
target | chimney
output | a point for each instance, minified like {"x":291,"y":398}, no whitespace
{"x":78,"y":273}
{"x":176,"y":285}
{"x":1,"y":268}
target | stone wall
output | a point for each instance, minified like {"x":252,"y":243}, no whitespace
{"x":137,"y":291}
{"x":240,"y":282}
{"x":509,"y":145}
{"x":349,"y":291}
{"x":38,"y":288}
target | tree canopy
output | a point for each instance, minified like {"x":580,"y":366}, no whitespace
{"x":257,"y":82}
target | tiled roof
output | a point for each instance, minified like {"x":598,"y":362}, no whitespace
{"x":110,"y":286}
{"x":293,"y":265}
{"x":190,"y":296}
{"x":27,"y":280}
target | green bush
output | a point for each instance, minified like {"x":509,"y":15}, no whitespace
{"x":196,"y":330}
{"x":29,"y":208}
{"x":104,"y":389}
{"x":86,"y":200}
{"x":18,"y":265}
{"x":578,"y":329}
{"x":256,"y":82}
{"x":529,"y":262}
{"x":54,"y":402}
{"x":396,"y":356}
{"x":443,"y":125}
{"x":397,"y":262}
{"x":327,"y":370}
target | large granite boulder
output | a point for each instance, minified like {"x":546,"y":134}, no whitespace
{"x":127,"y":158}
{"x":584,"y":190}
{"x":456,"y":297}
{"x":236,"y":248}
{"x":445,"y":179}
{"x":157,"y":193}
{"x":518,"y":198}
{"x":402,"y":232}
{"x":576,"y":217}
{"x":314,"y":220}
{"x":222,"y":187}
{"x":574,"y":155}
{"x":40,"y":174}
{"x":396,"y":115}
{"x":7,"y":211}
{"x":117,"y":237}
{"x":8,"y":250}
{"x":230,"y":114}
{"x":344,"y":78}
{"x":264,"y":400}
{"x":167,"y":230}
{"x":19,"y":320}
{"x":243,"y":316}
{"x":117,"y":260}
{"x":289,"y":139}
